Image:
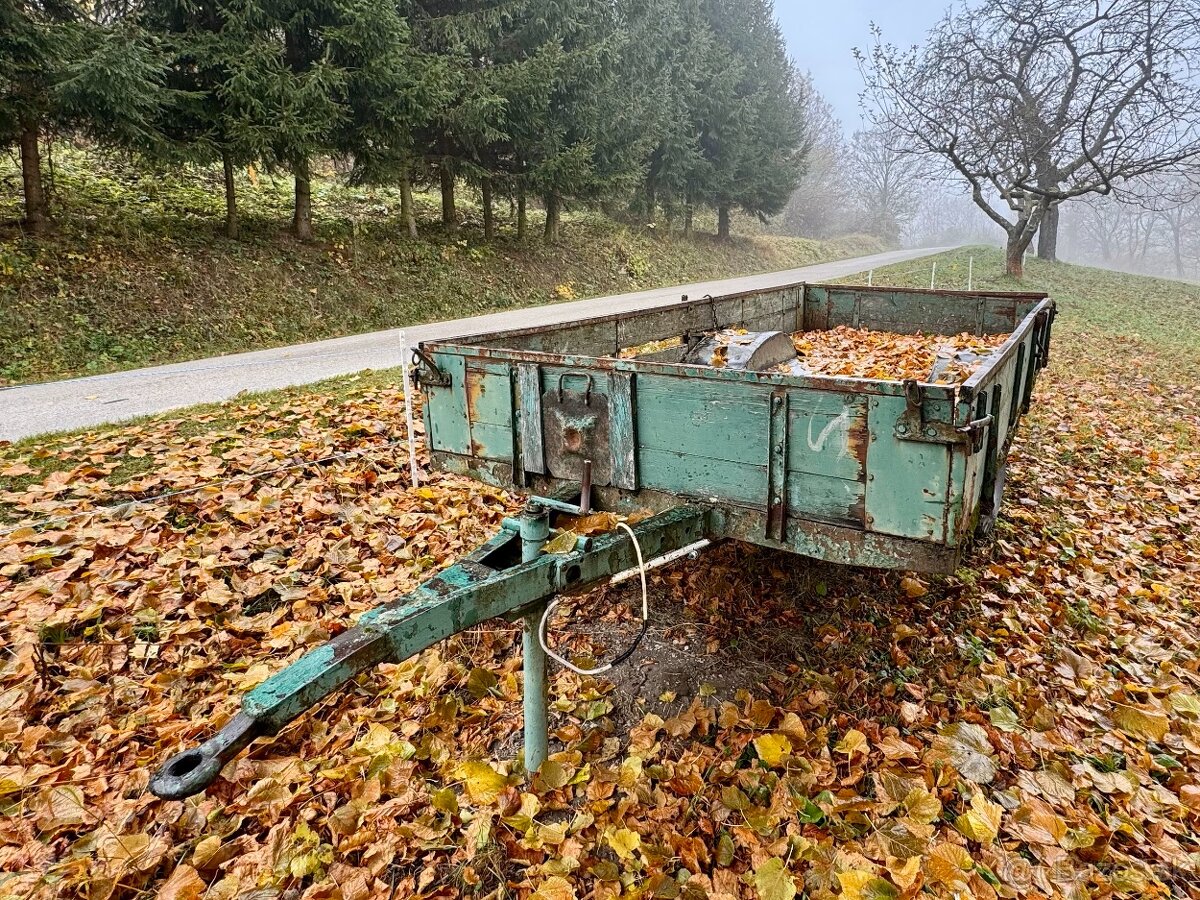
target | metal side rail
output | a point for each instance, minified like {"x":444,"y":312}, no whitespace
{"x":505,"y":576}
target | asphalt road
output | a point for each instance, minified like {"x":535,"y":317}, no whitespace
{"x":81,"y":402}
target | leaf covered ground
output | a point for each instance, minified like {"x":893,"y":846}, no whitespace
{"x":1029,"y":727}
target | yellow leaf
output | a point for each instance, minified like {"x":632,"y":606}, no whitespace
{"x":445,"y":800}
{"x":913,"y":587}
{"x":772,"y":748}
{"x":1141,"y":721}
{"x":483,"y":783}
{"x":854,"y":742}
{"x":982,"y":821}
{"x":860,"y":885}
{"x":922,"y":806}
{"x":554,"y":888}
{"x":949,"y":864}
{"x":904,"y":871}
{"x":254,"y":676}
{"x":552,"y":775}
{"x":183,"y":884}
{"x":378,"y":741}
{"x":624,"y":842}
{"x":773,"y":881}
{"x":630,"y":772}
{"x":563,"y":542}
{"x":205,"y":850}
{"x":1185,"y":704}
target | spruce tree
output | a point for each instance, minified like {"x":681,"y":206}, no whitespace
{"x":676,"y":165}
{"x":205,"y":49}
{"x":749,"y":113}
{"x":288,"y":91}
{"x":394,"y":91}
{"x":465,"y":36}
{"x":60,"y":70}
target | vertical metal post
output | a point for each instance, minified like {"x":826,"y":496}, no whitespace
{"x":413,"y":469}
{"x":870,"y":276}
{"x":535,"y":531}
{"x":585,"y":489}
{"x":970,"y":271}
{"x":933,"y":275}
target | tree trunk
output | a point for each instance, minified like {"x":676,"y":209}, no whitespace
{"x":489,"y":221}
{"x":232,"y":226}
{"x":449,"y":210}
{"x":522,"y":218}
{"x":302,"y":216}
{"x":687,"y":217}
{"x":408,"y":218}
{"x":36,"y":221}
{"x":1177,"y":245}
{"x":1048,"y":235}
{"x":1014,"y":255}
{"x":550,"y":234}
{"x":723,"y":221}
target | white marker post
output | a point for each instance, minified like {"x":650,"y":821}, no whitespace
{"x":933,"y":275}
{"x":970,"y":271}
{"x":870,"y":276}
{"x":414,"y":471}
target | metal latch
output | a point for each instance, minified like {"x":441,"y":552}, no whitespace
{"x":913,"y":426}
{"x":426,"y":372}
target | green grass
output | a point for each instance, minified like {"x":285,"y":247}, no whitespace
{"x":138,"y":272}
{"x":1160,"y":316}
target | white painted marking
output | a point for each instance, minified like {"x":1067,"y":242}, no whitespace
{"x":842,"y":421}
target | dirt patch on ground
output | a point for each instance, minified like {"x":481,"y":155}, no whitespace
{"x":744,"y":618}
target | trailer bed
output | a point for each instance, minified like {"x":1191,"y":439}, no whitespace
{"x":863,"y":471}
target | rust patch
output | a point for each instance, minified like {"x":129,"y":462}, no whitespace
{"x":858,"y":511}
{"x":858,"y":437}
{"x":476,"y":389}
{"x":349,"y":644}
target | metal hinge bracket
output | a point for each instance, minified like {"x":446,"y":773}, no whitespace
{"x":426,"y":372}
{"x":913,"y":426}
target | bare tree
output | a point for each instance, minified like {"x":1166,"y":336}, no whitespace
{"x":817,"y":208}
{"x":886,"y":183}
{"x":1035,"y":102}
{"x":1149,"y":225}
{"x":946,"y":216}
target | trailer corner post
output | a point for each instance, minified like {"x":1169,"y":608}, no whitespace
{"x":535,"y":531}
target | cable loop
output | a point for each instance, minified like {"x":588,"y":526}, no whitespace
{"x":628,"y":652}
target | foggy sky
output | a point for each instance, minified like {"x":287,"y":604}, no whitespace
{"x":822,"y":33}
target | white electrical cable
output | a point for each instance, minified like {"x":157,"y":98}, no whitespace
{"x":553,"y":604}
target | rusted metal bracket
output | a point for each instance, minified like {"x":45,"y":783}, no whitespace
{"x":427,"y":373}
{"x":913,"y":426}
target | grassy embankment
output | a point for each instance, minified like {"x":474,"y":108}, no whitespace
{"x":138,"y":272}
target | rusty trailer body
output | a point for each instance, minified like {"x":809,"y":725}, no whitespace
{"x":859,"y":471}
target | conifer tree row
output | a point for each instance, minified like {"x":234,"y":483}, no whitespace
{"x":659,"y":106}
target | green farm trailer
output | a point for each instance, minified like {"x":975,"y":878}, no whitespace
{"x":633,"y":413}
